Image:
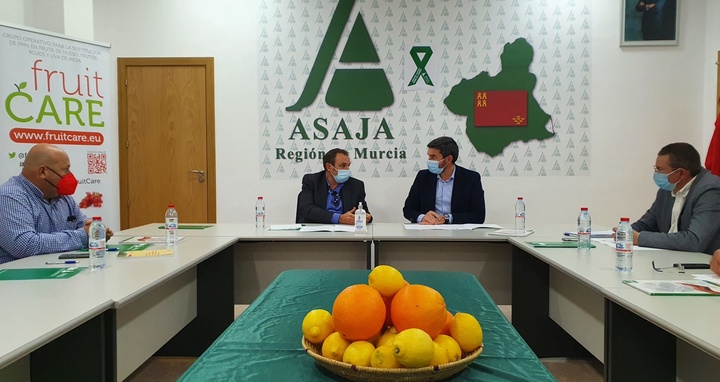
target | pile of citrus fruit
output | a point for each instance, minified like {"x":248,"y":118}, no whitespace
{"x":389,"y":323}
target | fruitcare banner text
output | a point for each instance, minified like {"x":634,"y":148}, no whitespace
{"x":58,"y":90}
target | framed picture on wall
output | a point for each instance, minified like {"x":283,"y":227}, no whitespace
{"x":649,"y":22}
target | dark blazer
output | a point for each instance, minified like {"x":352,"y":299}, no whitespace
{"x":468,"y":198}
{"x":698,"y":223}
{"x":312,"y":199}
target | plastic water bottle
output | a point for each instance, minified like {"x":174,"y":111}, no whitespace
{"x":260,"y":213}
{"x":624,"y":246}
{"x":584,"y":229}
{"x":520,"y":215}
{"x":96,"y":243}
{"x":171,"y":225}
{"x":360,"y":219}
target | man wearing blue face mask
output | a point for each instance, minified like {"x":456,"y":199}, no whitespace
{"x":686,"y":213}
{"x":331,"y":196}
{"x":445,"y":193}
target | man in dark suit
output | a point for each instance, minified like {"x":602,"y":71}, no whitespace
{"x":331,"y":196}
{"x":686,"y":213}
{"x":445,"y":193}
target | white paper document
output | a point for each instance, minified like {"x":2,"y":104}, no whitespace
{"x":710,"y":277}
{"x":611,"y":243}
{"x":449,"y":227}
{"x":511,"y":232}
{"x":328,"y":228}
{"x":285,"y":227}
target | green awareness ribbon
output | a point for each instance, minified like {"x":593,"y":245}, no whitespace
{"x":420,"y":71}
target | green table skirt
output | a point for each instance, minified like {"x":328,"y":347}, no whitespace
{"x":264,"y":344}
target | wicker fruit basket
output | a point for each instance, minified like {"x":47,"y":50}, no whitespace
{"x":365,"y":374}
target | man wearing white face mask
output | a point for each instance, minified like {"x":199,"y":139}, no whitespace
{"x":331,"y":196}
{"x":686,"y":213}
{"x":445,"y":193}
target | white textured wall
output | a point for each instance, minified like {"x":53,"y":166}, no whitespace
{"x":13,"y":11}
{"x":642,"y":98}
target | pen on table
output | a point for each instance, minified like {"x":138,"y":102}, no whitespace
{"x":62,"y":262}
{"x":692,"y":265}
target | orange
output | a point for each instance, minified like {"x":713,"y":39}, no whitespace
{"x":448,"y":321}
{"x":358,"y":312}
{"x":418,"y":306}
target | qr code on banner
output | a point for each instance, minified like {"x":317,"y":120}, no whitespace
{"x":97,"y":162}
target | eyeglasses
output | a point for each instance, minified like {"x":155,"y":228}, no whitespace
{"x":681,"y":267}
{"x":665,"y":269}
{"x":336,"y":198}
{"x":659,"y":172}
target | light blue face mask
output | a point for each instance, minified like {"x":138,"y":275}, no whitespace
{"x":434,"y":167}
{"x":661,"y":180}
{"x":342,"y":175}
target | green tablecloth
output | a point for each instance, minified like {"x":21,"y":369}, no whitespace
{"x":263,"y":344}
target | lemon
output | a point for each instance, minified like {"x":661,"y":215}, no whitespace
{"x":384,"y":358}
{"x":391,"y":330}
{"x":317,"y":325}
{"x":334,"y":346}
{"x":386,"y":339}
{"x":359,"y":353}
{"x":466,"y":330}
{"x":450,"y":345}
{"x":413,"y":348}
{"x":386,"y":280}
{"x":440,"y":355}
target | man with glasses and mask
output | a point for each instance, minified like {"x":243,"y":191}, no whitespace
{"x":445,"y":193}
{"x":331,"y":196}
{"x":37,"y":213}
{"x":686,"y":213}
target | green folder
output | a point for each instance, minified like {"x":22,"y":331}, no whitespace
{"x":39,"y":273}
{"x":556,"y":244}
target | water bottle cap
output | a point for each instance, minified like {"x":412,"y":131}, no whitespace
{"x":171,"y":205}
{"x":520,"y":198}
{"x":583,"y":209}
{"x":260,"y":198}
{"x":98,"y":218}
{"x":625,"y":219}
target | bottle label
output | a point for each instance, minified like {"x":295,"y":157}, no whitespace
{"x":171,"y":226}
{"x":96,"y":245}
{"x":621,"y":247}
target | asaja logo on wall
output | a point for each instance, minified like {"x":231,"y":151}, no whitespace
{"x":355,"y":89}
{"x":509,"y":81}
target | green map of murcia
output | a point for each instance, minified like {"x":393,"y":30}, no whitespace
{"x":514,"y":75}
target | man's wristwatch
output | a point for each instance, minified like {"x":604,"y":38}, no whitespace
{"x":447,"y":218}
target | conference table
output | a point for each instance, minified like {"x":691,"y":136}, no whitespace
{"x":261,"y":254}
{"x":564,"y":303}
{"x":102,"y":325}
{"x":567,"y":302}
{"x":263,"y":344}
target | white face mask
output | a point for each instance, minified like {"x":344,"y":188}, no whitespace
{"x":434,"y":167}
{"x":342,"y":175}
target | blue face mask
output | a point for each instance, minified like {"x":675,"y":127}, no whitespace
{"x":342,"y":175}
{"x":661,"y":180}
{"x":434,"y":167}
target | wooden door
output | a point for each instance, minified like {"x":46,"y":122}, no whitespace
{"x":167,"y":139}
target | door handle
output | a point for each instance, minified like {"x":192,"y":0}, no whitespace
{"x":201,"y":175}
